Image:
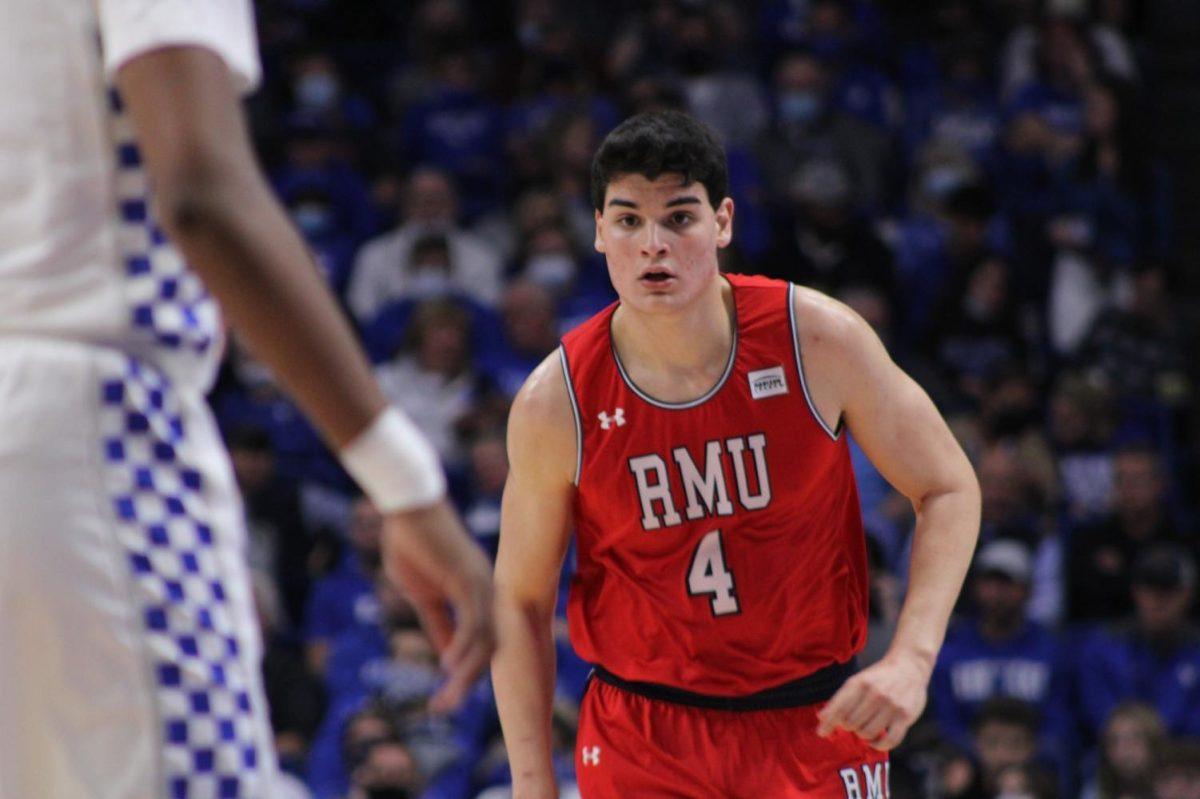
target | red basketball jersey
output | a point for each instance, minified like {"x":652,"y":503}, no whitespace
{"x":719,"y":542}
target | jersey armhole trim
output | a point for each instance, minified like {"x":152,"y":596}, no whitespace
{"x":566,"y":368}
{"x":836,"y":432}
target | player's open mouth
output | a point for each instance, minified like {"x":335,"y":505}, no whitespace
{"x":656,"y":277}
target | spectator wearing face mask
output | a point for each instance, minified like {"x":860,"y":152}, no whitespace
{"x":806,"y":125}
{"x":318,"y":90}
{"x":387,"y":268}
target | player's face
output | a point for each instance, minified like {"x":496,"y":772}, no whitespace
{"x":660,"y":238}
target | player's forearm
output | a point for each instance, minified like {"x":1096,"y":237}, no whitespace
{"x":523,"y":677}
{"x":946,"y":531}
{"x":237,"y":238}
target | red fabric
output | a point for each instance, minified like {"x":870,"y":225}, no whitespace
{"x":798,"y":565}
{"x":631,"y":746}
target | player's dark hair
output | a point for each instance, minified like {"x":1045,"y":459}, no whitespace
{"x":657,"y":143}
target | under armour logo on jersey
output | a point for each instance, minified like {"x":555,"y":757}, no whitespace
{"x":590,"y":755}
{"x":606,"y":421}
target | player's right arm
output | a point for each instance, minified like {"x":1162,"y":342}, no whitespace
{"x":535,"y":520}
{"x":214,"y":203}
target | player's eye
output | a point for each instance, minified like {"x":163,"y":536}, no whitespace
{"x":680,"y":218}
{"x":627,"y":220}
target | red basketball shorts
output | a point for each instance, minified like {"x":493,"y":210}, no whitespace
{"x":632,"y":747}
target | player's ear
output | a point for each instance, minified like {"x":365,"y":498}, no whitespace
{"x":599,"y":242}
{"x":724,"y":221}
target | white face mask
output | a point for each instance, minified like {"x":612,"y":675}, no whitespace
{"x":429,"y":284}
{"x":552,"y":271}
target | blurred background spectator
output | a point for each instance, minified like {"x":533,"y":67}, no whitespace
{"x":1004,"y":189}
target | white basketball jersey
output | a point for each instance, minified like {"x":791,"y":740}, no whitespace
{"x":81,"y":256}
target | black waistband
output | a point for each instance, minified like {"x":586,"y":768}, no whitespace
{"x":816,"y":687}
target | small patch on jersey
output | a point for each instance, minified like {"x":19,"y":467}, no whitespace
{"x":768,"y":382}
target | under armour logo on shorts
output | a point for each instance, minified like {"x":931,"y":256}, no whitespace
{"x":590,"y":755}
{"x":606,"y":421}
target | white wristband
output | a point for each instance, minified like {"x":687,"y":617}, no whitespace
{"x":395,"y":464}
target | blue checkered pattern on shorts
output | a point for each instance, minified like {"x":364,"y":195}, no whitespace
{"x":167,"y":301}
{"x":202,"y":687}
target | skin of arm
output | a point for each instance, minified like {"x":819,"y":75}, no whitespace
{"x":851,"y":376}
{"x":214,"y":203}
{"x":535,"y":523}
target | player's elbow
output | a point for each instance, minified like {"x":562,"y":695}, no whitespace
{"x":518,"y":603}
{"x":200,"y":195}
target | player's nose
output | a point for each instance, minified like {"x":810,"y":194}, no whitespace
{"x":654,"y":243}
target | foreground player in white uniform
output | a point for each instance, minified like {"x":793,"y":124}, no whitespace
{"x":128,"y":652}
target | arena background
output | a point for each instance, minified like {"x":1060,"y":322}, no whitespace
{"x":1005,"y":189}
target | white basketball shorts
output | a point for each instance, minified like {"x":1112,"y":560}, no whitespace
{"x":128,"y":644}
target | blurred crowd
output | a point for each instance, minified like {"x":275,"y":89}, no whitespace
{"x":977,"y":178}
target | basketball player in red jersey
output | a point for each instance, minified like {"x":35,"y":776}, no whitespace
{"x":692,"y":435}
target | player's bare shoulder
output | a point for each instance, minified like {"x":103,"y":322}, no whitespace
{"x":838,"y":349}
{"x":541,"y":424}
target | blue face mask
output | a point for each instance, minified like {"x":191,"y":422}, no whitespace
{"x":799,"y":106}
{"x":313,"y":219}
{"x":317,"y":91}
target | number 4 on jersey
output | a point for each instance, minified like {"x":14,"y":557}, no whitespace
{"x":708,"y":575}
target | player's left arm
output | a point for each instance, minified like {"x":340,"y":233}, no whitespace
{"x":851,"y":374}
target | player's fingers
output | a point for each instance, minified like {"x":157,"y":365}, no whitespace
{"x":834,"y":713}
{"x":869,"y":705}
{"x":891,"y":737}
{"x":435,"y":619}
{"x":471,"y":664}
{"x":876,"y":725}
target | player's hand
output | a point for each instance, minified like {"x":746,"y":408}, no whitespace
{"x":879,"y":703}
{"x":429,"y":556}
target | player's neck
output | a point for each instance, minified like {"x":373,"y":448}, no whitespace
{"x":683,"y":353}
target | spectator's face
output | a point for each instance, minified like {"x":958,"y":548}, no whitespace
{"x":430,"y":199}
{"x":443,"y":348}
{"x":252,"y":467}
{"x":389,"y":764}
{"x":1002,"y":484}
{"x":800,"y":73}
{"x":987,"y":290}
{"x":872,"y":305}
{"x":316,"y":84}
{"x":1003,"y":745}
{"x":1100,"y":112}
{"x":1126,"y":747}
{"x":1000,"y":598}
{"x":489,"y":461}
{"x":578,"y":144}
{"x":1161,"y":611}
{"x":1137,"y":488}
{"x":660,"y":238}
{"x":529,"y":318}
{"x":1069,"y":424}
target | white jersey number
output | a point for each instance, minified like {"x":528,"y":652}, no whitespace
{"x":708,"y":575}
